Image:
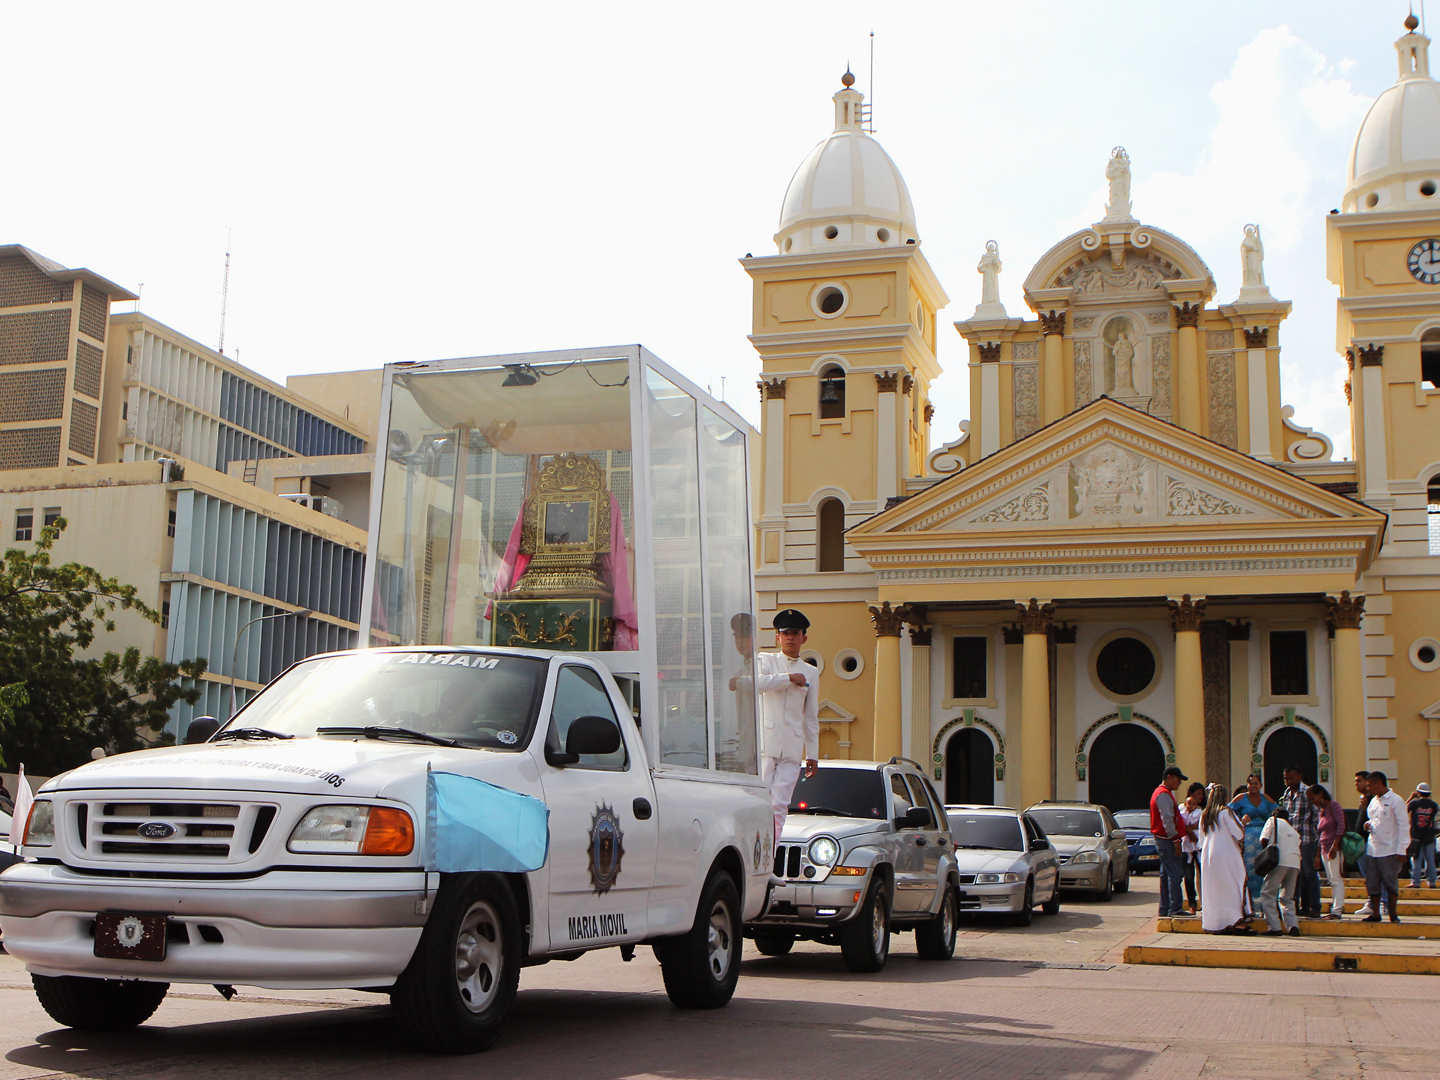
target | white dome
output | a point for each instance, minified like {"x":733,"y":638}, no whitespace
{"x":1395,"y":163}
{"x":847,"y":192}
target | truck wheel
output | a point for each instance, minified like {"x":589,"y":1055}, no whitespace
{"x":459,"y":988}
{"x":865,"y":939}
{"x":774,"y":944}
{"x":935,"y":939}
{"x":1026,"y":914}
{"x":702,"y":966}
{"x":98,"y":1004}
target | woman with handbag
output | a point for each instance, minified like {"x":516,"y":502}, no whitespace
{"x":1254,"y":808}
{"x":1224,"y":899}
{"x":1279,"y":861}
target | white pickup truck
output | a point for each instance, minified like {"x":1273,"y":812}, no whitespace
{"x":299,"y":848}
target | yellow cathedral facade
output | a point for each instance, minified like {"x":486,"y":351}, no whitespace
{"x":1132,"y":555}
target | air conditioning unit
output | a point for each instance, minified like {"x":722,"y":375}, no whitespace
{"x":320,"y":503}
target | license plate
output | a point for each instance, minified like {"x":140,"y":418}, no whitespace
{"x":130,"y":937}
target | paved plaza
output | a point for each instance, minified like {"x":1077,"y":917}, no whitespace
{"x":1050,"y":1001}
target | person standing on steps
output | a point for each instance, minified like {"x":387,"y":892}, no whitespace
{"x":1303,"y":819}
{"x":1277,"y":901}
{"x":1388,"y":825}
{"x":1191,"y":810}
{"x":1362,"y":785}
{"x":1168,"y":828}
{"x":1254,"y":808}
{"x":1330,"y":817}
{"x":789,"y":693}
{"x":1422,"y":837}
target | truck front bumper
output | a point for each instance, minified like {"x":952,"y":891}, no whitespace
{"x":283,"y":930}
{"x":812,"y":906}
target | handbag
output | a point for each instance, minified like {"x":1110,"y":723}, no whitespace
{"x":1352,"y":846}
{"x":1267,"y":859}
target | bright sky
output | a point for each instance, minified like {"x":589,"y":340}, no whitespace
{"x":406,"y":182}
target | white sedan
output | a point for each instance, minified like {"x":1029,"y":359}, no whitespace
{"x":1005,"y":861}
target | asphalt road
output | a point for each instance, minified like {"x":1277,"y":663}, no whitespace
{"x":1047,"y":1001}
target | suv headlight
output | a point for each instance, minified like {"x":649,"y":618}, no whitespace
{"x":996,"y":879}
{"x":1086,"y":857}
{"x":40,"y":825}
{"x":823,"y":851}
{"x":353,"y":830}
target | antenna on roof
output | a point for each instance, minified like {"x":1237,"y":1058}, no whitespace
{"x":225,"y":294}
{"x":139,"y":289}
{"x":871,"y":110}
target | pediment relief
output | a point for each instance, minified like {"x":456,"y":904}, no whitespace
{"x":1093,"y":277}
{"x":1109,"y":483}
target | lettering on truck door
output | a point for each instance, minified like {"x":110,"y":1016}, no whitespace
{"x":602,"y":857}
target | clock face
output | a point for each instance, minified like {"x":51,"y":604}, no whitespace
{"x":1425,"y":262}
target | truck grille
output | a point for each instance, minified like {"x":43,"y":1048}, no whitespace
{"x":787,"y":860}
{"x":166,"y":831}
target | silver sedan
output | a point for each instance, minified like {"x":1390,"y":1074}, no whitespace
{"x":1005,"y":862}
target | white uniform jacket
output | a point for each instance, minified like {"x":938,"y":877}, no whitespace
{"x":790,"y":714}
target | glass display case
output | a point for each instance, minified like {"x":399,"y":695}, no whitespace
{"x":587,"y":501}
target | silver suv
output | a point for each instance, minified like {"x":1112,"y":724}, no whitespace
{"x":1094,"y":854}
{"x":866,"y":850}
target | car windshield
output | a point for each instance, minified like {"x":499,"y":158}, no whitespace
{"x":1133,"y":819}
{"x":471,"y":698}
{"x":841,"y":792}
{"x":989,"y":831}
{"x":1066,"y":822}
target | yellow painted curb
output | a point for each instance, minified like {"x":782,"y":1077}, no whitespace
{"x":1258,"y":959}
{"x":1407,"y":907}
{"x":1325,"y":929}
{"x":1356,"y":890}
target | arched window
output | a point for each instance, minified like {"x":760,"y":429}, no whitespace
{"x":1432,"y":519}
{"x":832,"y":394}
{"x":830,"y":536}
{"x":1430,"y":357}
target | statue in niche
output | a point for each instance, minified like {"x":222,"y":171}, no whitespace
{"x":1117,"y":171}
{"x":989,"y":268}
{"x":1120,"y":365}
{"x":1252,"y":267}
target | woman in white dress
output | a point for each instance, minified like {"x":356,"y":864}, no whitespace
{"x":1224,"y":897}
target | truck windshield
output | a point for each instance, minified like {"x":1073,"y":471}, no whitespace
{"x":841,"y":793}
{"x":475,"y":699}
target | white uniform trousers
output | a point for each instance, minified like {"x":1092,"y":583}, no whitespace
{"x":782,"y":776}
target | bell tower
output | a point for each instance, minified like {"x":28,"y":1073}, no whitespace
{"x":844,"y":322}
{"x":1383,"y":252}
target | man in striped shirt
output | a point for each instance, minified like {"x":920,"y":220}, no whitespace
{"x":1305,"y":821}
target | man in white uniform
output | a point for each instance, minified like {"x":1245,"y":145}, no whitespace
{"x":789,"y":697}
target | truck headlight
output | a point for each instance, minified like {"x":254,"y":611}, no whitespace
{"x":353,"y":830}
{"x":1086,"y":857}
{"x":823,"y":851}
{"x":996,"y":879}
{"x":40,"y":825}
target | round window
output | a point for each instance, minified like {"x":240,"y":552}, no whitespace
{"x":1425,"y":654}
{"x":1125,"y":667}
{"x":829,"y":300}
{"x":883,"y":235}
{"x":1427,"y":188}
{"x":849,"y":664}
{"x":831,"y":232}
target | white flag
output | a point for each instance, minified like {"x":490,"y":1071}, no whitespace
{"x":24,"y":799}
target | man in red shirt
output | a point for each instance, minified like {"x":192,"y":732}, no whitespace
{"x":1168,"y":828}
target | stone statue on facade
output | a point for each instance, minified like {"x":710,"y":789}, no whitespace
{"x":989,"y":268}
{"x":1117,"y":171}
{"x":1123,"y":353}
{"x":1252,"y":267}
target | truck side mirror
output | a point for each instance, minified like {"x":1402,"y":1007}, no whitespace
{"x":917,"y":817}
{"x":592,"y":735}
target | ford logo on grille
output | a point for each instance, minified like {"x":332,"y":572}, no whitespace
{"x":156,"y":830}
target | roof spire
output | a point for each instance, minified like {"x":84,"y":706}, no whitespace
{"x":1414,"y":50}
{"x":848,"y":113}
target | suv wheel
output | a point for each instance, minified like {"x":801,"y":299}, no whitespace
{"x":865,"y":939}
{"x":702,"y":966}
{"x":1026,"y":914}
{"x":935,"y":938}
{"x":457,"y":992}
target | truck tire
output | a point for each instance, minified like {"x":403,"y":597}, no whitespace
{"x":457,"y":992}
{"x":98,"y":1004}
{"x":935,"y":939}
{"x":702,"y":966}
{"x":774,"y":944}
{"x":865,"y":939}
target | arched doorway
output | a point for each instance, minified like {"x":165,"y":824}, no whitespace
{"x":1126,"y":762}
{"x":970,"y":768}
{"x":1288,"y":746}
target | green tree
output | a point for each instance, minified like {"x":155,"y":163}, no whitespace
{"x":68,"y":704}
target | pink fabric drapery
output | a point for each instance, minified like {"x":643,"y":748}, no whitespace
{"x":614,"y":564}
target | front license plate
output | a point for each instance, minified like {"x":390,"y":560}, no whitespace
{"x":130,"y":937}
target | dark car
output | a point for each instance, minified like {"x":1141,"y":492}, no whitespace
{"x":1143,"y":855}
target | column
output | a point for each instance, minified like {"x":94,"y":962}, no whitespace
{"x":1185,"y":617}
{"x":1187,"y":368}
{"x":1347,"y":667}
{"x":1258,"y":381}
{"x":1065,"y":732}
{"x":1052,"y":372}
{"x":1376,"y":481}
{"x":920,"y":697}
{"x":1036,"y":752}
{"x":886,"y":463}
{"x":772,"y":492}
{"x":887,"y":622}
{"x":989,"y":398}
{"x":1238,"y":633}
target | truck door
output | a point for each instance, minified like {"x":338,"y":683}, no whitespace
{"x":909,"y":855}
{"x":602,"y":824}
{"x":928,"y":842}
